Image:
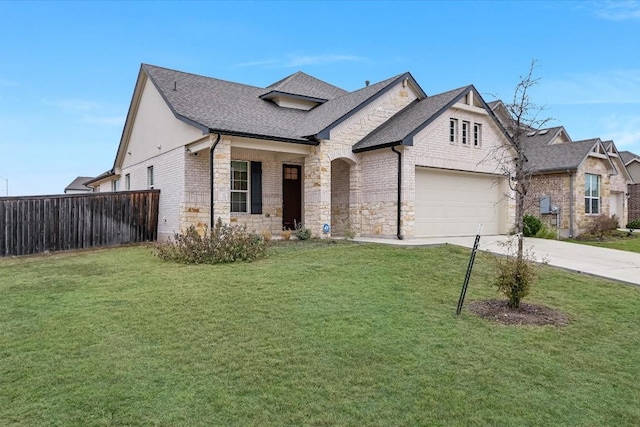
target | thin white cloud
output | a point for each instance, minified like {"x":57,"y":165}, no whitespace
{"x":109,"y":121}
{"x":292,"y":61}
{"x":612,"y":87}
{"x":617,"y":10}
{"x":8,"y":83}
{"x":624,"y":131}
{"x":73,"y":104}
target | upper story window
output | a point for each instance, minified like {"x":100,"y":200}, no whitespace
{"x":150,"y":178}
{"x":591,"y":194}
{"x":127,"y":182}
{"x":239,"y":186}
{"x":465,"y":132}
{"x":115,"y":185}
{"x":453,"y":131}
{"x":477,"y":134}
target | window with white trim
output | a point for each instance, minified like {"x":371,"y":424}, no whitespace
{"x":477,"y":134}
{"x":591,"y":194}
{"x":127,"y":182}
{"x":239,"y":186}
{"x":453,"y":131}
{"x":150,"y":177}
{"x":115,"y":185}
{"x":465,"y":132}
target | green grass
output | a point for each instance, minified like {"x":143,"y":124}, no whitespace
{"x":619,"y":240}
{"x":316,"y":334}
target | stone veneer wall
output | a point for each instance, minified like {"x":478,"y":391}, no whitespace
{"x":634,"y":202}
{"x":340,"y":197}
{"x":596,"y":166}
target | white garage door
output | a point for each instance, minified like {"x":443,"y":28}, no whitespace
{"x":450,"y":203}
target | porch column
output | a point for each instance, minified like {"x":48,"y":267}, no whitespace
{"x":355,"y":198}
{"x":222,"y":181}
{"x":317,"y":191}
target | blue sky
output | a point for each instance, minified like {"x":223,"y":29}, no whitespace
{"x":68,"y":69}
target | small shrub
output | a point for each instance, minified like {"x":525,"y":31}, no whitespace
{"x":302,"y":233}
{"x":602,"y":225}
{"x":546,"y":233}
{"x":349,"y":234}
{"x":532,"y":225}
{"x":635,"y":224}
{"x":224,"y":243}
{"x":266,"y":235}
{"x":514,"y":277}
{"x":286,"y":234}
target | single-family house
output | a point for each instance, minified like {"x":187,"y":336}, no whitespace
{"x":632,"y":162}
{"x":571,"y":182}
{"x":383,"y":160}
{"x":78,"y":186}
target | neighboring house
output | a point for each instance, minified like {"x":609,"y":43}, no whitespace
{"x":78,"y":186}
{"x":384,"y":160}
{"x":632,"y":162}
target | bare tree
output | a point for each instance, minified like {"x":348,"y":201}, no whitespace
{"x":514,"y":279}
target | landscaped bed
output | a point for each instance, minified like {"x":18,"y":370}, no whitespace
{"x":315,"y":334}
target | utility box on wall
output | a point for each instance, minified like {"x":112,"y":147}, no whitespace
{"x":545,"y":205}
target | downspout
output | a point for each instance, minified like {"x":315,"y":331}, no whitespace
{"x":399,"y":213}
{"x":571,"y":213}
{"x":213,"y":147}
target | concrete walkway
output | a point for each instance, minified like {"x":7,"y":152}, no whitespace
{"x":608,"y":263}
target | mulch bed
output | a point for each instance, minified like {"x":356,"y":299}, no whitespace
{"x":528,"y":314}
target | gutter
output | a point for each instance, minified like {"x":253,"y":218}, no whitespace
{"x":571,"y":213}
{"x":211,"y":213}
{"x":399,"y":210}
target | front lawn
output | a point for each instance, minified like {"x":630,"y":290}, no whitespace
{"x":618,"y":240}
{"x":316,"y":334}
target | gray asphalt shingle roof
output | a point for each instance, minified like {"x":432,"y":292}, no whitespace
{"x":406,"y":123}
{"x":218,"y":105}
{"x":628,"y":156}
{"x":556,"y":157}
{"x":305,"y":85}
{"x":78,"y":184}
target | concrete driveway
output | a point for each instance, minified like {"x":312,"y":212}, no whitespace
{"x":608,"y":263}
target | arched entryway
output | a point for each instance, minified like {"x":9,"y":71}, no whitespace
{"x":340,"y":190}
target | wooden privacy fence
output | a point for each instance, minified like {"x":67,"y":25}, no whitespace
{"x":39,"y":224}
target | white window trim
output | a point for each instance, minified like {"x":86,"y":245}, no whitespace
{"x":151,"y":180}
{"x":453,"y":131}
{"x":465,"y":132}
{"x":127,"y":182}
{"x":589,"y":197}
{"x":247,"y":191}
{"x":477,"y":135}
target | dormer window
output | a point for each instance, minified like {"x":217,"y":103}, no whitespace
{"x":289,"y":100}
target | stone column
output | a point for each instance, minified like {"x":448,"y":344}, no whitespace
{"x":317,"y":191}
{"x":222,"y":181}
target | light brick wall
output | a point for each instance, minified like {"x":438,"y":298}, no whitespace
{"x":170,"y":180}
{"x":379,"y":192}
{"x":432,"y":149}
{"x":634,"y":202}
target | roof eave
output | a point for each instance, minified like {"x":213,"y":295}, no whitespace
{"x":377,"y":147}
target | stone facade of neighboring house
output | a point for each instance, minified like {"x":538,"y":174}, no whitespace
{"x":385,"y":160}
{"x":563,"y":174}
{"x":634,"y":202}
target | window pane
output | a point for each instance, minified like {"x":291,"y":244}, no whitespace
{"x":238,"y":202}
{"x":587,"y":205}
{"x":595,"y":206}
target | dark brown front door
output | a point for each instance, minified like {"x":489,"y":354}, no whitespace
{"x":291,"y":196}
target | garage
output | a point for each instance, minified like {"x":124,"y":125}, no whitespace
{"x":453,"y":203}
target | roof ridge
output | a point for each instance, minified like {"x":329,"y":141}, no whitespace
{"x":199,"y":75}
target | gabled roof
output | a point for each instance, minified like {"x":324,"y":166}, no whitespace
{"x":404,"y":125}
{"x":559,"y":157}
{"x":304,"y":85}
{"x":543,"y":136}
{"x":628,"y":157}
{"x":78,"y":184}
